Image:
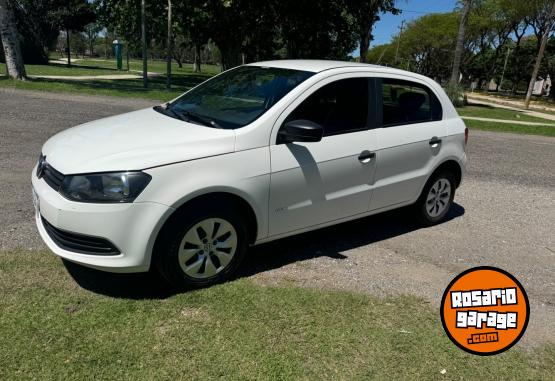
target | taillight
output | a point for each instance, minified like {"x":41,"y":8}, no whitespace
{"x":465,"y":135}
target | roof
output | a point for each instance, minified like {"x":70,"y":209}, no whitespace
{"x":312,"y":65}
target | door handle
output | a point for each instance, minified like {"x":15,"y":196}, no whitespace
{"x":435,"y":141}
{"x":365,"y":156}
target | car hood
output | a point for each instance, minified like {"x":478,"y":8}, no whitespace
{"x":133,"y":141}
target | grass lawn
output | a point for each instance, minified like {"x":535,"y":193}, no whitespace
{"x":507,"y":127}
{"x":182,"y":80}
{"x":74,"y":70}
{"x":127,"y":88}
{"x":484,"y":111}
{"x":108,"y":67}
{"x":50,"y":328}
{"x":153,"y":66}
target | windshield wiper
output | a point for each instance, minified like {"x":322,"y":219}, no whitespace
{"x":200,"y":119}
{"x":187,"y":116}
{"x":167,"y":111}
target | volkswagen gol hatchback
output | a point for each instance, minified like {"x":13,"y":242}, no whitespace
{"x":256,"y":153}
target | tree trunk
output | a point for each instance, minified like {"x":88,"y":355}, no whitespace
{"x":10,"y":41}
{"x":364,"y":45}
{"x":460,"y":42}
{"x":547,"y":29}
{"x":230,"y":56}
{"x":169,"y":47}
{"x":196,"y":65}
{"x":106,"y":46}
{"x":91,"y":48}
{"x":68,"y":48}
{"x":143,"y":39}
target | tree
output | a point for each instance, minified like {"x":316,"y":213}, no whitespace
{"x":123,"y":18}
{"x":365,"y":14}
{"x":72,"y":15}
{"x":10,"y":42}
{"x":194,"y":26}
{"x":91,"y":33}
{"x":227,"y":29}
{"x":460,"y":42}
{"x":180,"y":48}
{"x":37,"y":30}
{"x":169,"y":48}
{"x":427,"y":45}
{"x":329,"y":33}
{"x":545,"y":12}
{"x":143,"y":43}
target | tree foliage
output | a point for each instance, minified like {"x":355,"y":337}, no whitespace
{"x":364,"y":14}
{"x":498,"y":31}
{"x":247,"y":30}
{"x":39,"y":23}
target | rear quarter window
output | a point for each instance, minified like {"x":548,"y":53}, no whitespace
{"x":406,"y":102}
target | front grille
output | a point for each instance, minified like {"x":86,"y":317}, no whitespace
{"x":52,"y":177}
{"x":79,"y":243}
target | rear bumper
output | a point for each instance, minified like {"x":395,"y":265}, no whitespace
{"x":462,"y":164}
{"x":132,"y":228}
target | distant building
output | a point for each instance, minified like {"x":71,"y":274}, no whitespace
{"x":542,"y":86}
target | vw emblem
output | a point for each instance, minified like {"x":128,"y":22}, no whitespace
{"x":41,"y":165}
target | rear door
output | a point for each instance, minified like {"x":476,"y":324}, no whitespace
{"x":314,"y":183}
{"x":409,"y":138}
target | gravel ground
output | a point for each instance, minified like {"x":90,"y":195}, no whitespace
{"x":504,"y":216}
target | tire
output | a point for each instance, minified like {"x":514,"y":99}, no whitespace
{"x":202,"y":245}
{"x":431,"y":207}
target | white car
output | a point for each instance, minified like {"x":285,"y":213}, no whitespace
{"x":256,"y":153}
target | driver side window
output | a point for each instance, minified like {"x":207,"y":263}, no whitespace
{"x":339,"y":107}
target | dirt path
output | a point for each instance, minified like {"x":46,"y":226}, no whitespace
{"x":508,"y":121}
{"x":515,"y":105}
{"x":93,"y":77}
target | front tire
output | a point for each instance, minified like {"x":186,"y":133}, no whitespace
{"x":436,"y":199}
{"x":202,"y":245}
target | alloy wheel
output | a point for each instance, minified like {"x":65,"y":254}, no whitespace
{"x":207,"y":248}
{"x":438,"y":197}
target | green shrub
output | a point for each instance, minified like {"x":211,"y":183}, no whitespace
{"x":455,"y":93}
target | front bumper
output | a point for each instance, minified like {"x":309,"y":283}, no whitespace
{"x":131,"y":227}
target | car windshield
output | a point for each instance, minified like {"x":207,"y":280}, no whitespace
{"x":237,"y":97}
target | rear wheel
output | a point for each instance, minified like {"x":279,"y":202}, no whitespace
{"x":436,"y":198}
{"x":202,"y":246}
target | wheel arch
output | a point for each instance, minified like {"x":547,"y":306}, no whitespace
{"x":225,"y":196}
{"x":451,"y":165}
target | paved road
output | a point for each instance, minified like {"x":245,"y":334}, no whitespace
{"x":505,"y":216}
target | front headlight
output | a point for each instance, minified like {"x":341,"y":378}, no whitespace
{"x":104,"y":187}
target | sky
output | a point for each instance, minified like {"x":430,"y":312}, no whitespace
{"x":412,"y":9}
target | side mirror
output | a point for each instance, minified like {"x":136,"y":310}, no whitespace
{"x":300,"y":131}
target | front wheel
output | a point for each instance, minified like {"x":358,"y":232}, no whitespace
{"x":203,"y":247}
{"x":436,"y":199}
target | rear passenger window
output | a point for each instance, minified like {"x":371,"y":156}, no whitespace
{"x":407,"y":102}
{"x":339,"y":107}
